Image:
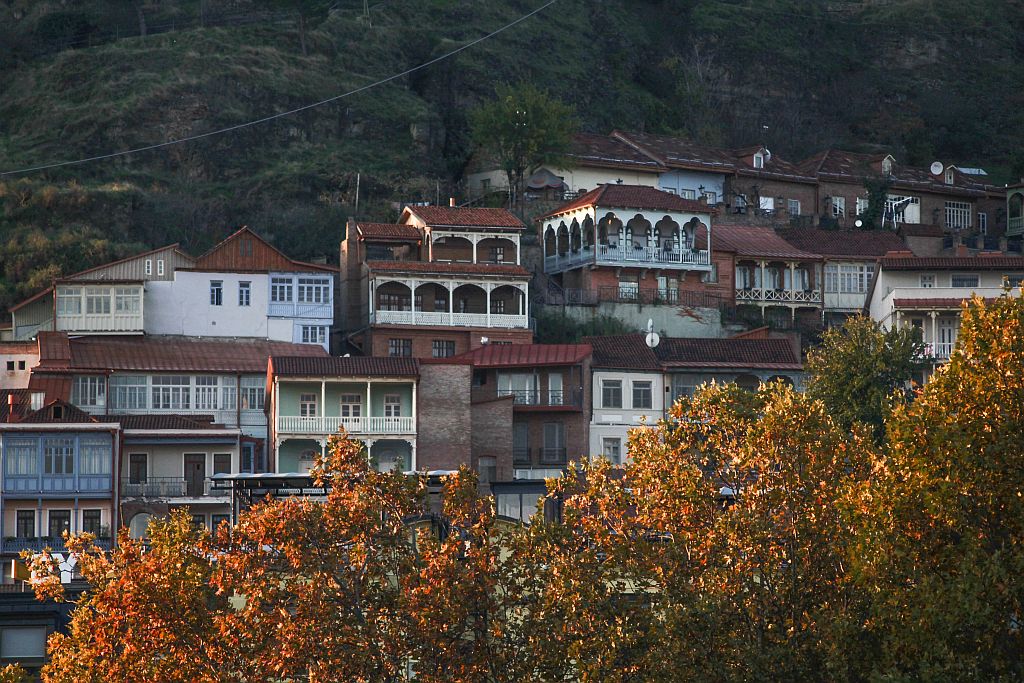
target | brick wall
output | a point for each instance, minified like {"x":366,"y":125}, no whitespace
{"x":465,"y":339}
{"x":444,"y":417}
{"x":492,"y":434}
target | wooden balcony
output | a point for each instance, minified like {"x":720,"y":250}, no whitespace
{"x":356,"y":426}
{"x":615,"y":255}
{"x":169,"y":487}
{"x":427,"y":318}
{"x":760,"y":295}
{"x":107,"y":323}
{"x":14,"y":545}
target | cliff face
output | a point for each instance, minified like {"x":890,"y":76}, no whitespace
{"x":937,"y":79}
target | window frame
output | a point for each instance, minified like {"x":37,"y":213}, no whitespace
{"x":216,"y":292}
{"x":400,"y":347}
{"x":308,"y":405}
{"x":442,"y":348}
{"x":636,"y":385}
{"x":615,"y":387}
{"x":245,"y":293}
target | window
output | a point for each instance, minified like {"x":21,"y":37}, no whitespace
{"x":245,"y":247}
{"x":612,"y":450}
{"x":198,"y":521}
{"x":21,"y":365}
{"x":848,"y":278}
{"x":862,"y":205}
{"x":767,"y":204}
{"x":207,"y":392}
{"x":26,"y":524}
{"x":69,"y":301}
{"x":949,"y":176}
{"x":400,"y":347}
{"x":740,"y":203}
{"x":244,"y":293}
{"x":887,"y":166}
{"x":228,"y":393}
{"x":443,"y":348}
{"x":307,"y":405}
{"x":253,"y":391}
{"x":128,"y":392}
{"x":97,"y":301}
{"x":485,"y":184}
{"x":982,"y":223}
{"x":171,"y":392}
{"x":611,"y":393}
{"x":10,"y":366}
{"x":160,"y":267}
{"x":94,"y":454}
{"x":554,"y":442}
{"x":216,"y":292}
{"x":314,"y":290}
{"x":387,"y":301}
{"x":522,"y":386}
{"x":903,"y":209}
{"x":91,"y":521}
{"x":21,"y":457}
{"x":629,"y":290}
{"x":520,"y":442}
{"x":351,"y":405}
{"x":497,"y":254}
{"x":556,"y":395}
{"x":217,"y":520}
{"x":927,"y":281}
{"x":127,"y":300}
{"x":58,"y":456}
{"x":687,"y":194}
{"x":280,"y":290}
{"x":60,"y":521}
{"x":758,"y":160}
{"x":958,"y":215}
{"x":149,"y":266}
{"x":1013,"y":280}
{"x":392,"y":405}
{"x":963,"y":281}
{"x":488,"y":468}
{"x":314,"y":334}
{"x":711,"y":277}
{"x":793,"y":207}
{"x":710,"y":197}
{"x":138,"y":468}
{"x":641,"y":395}
{"x":498,"y":306}
{"x":89,"y":392}
{"x":222,"y":463}
{"x":839,"y":207}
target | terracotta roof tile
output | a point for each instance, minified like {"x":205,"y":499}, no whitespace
{"x":334,"y":366}
{"x":447,"y":268}
{"x":608,"y":151}
{"x":898,"y":262}
{"x":389,"y":231}
{"x":458,"y":217}
{"x":525,"y":355}
{"x":180,"y":354}
{"x":632,"y":197}
{"x":843,"y":243}
{"x":22,"y":402}
{"x":680,"y":152}
{"x":624,"y":351}
{"x":66,"y":413}
{"x":754,"y":240}
{"x":161,"y":422}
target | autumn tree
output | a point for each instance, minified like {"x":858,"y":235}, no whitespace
{"x":523,"y":128}
{"x":860,"y":372}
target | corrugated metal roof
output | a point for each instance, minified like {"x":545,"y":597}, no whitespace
{"x":59,"y":411}
{"x":162,"y":422}
{"x":625,"y":351}
{"x":630,"y":352}
{"x":525,"y":355}
{"x":755,"y":240}
{"x":458,"y":217}
{"x":606,"y":151}
{"x":843,"y":243}
{"x":334,"y":366}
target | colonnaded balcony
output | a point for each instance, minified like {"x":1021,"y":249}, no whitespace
{"x":290,"y":424}
{"x":449,"y":303}
{"x":778,"y":282}
{"x":666,"y":244}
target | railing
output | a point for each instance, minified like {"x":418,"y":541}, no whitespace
{"x":1015,"y":225}
{"x":107,"y":322}
{"x":521,"y":454}
{"x":657,"y":296}
{"x":552,"y":455}
{"x":52,"y":483}
{"x":537,"y":472}
{"x":614,"y":254}
{"x":168,"y":487}
{"x":353,"y":425}
{"x":301,"y":310}
{"x":788,"y":296}
{"x":503,"y":320}
{"x":39,"y":543}
{"x":549,"y":398}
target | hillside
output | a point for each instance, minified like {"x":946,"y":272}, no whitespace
{"x":925,"y":78}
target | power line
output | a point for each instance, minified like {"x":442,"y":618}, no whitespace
{"x":247,"y":124}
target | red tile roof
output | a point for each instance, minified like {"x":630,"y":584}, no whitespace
{"x":755,"y":240}
{"x":389,"y":232}
{"x":163,"y":422}
{"x":680,"y":152}
{"x":610,"y":152}
{"x":447,"y":268}
{"x":843,"y":243}
{"x":334,"y":366}
{"x":525,"y":355}
{"x":457,"y":217}
{"x":68,"y":414}
{"x":900,"y":262}
{"x":624,"y":351}
{"x":836,"y":164}
{"x":180,"y":354}
{"x":22,"y":402}
{"x":632,"y":197}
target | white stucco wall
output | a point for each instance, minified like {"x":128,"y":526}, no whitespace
{"x":18,"y":377}
{"x":616,"y":422}
{"x":182,"y":306}
{"x":906,"y":284}
{"x":677,"y":180}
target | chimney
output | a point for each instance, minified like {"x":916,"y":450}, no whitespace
{"x":11,"y":415}
{"x":961,"y":250}
{"x":451,"y":202}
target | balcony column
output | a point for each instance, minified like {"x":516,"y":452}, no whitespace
{"x":412,"y":454}
{"x":323,"y":405}
{"x":475,"y":238}
{"x":369,"y":404}
{"x":764,"y":280}
{"x":519,"y":248}
{"x":488,"y":288}
{"x":414,"y":425}
{"x":451,"y":302}
{"x":934,"y":315}
{"x":323,"y":447}
{"x":412,"y":299}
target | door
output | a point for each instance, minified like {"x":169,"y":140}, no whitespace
{"x":195,"y":474}
{"x":555,"y":395}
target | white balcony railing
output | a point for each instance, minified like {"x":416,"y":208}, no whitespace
{"x":609,"y":254}
{"x":785,"y":296}
{"x":353,"y":425}
{"x":109,"y":322}
{"x":502,"y":320}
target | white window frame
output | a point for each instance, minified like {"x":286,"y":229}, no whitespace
{"x":97,"y":301}
{"x":838,"y":207}
{"x":89,"y":392}
{"x":314,"y":334}
{"x":350,"y":406}
{"x":160,"y":266}
{"x":927,"y":281}
{"x":974,"y":277}
{"x":313,"y":290}
{"x":69,"y":301}
{"x":611,"y":449}
{"x":281,"y":290}
{"x":149,"y":266}
{"x":245,"y":294}
{"x":307,"y":405}
{"x":612,"y":384}
{"x":983,"y":223}
{"x":392,"y":405}
{"x":790,"y":204}
{"x":958,"y":215}
{"x":216,"y":292}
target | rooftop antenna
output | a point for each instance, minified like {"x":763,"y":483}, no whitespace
{"x":652,"y":338}
{"x":936,"y":168}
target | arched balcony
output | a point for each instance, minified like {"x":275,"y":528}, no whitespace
{"x":452,"y":249}
{"x":484,"y":303}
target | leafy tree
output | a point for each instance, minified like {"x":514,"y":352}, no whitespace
{"x":523,"y":128}
{"x":860,"y":371}
{"x":878,"y":193}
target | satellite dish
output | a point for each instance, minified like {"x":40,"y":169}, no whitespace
{"x":859,"y":223}
{"x":936,"y":168}
{"x":652,"y":339}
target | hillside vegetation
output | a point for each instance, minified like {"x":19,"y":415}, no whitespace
{"x":925,"y":78}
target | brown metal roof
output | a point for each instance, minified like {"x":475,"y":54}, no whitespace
{"x":610,"y":152}
{"x":951,"y":303}
{"x":164,"y":422}
{"x":755,"y":240}
{"x":391,"y":232}
{"x":334,"y":366}
{"x":843,"y":243}
{"x":900,"y":262}
{"x":179,"y":354}
{"x":67,"y":414}
{"x":836,"y":164}
{"x":624,"y":351}
{"x":632,"y":197}
{"x":447,"y":268}
{"x":630,"y":352}
{"x":525,"y":355}
{"x":679,"y":152}
{"x":458,"y":217}
{"x":52,"y":386}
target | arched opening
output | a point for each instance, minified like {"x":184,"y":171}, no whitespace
{"x":389,"y":455}
{"x":588,"y":232}
{"x":138,"y":527}
{"x":667,"y":232}
{"x":609,"y":230}
{"x":431,"y":297}
{"x":393,"y":296}
{"x":550,"y":241}
{"x":638,"y":232}
{"x":507,"y":300}
{"x":563,"y":239}
{"x":453,"y":249}
{"x":496,"y":250}
{"x":575,"y":236}
{"x":696,"y":235}
{"x":1016,"y":207}
{"x":469,"y":299}
{"x":788,"y":381}
{"x":748,"y":382}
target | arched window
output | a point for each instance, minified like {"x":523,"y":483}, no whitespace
{"x":138,"y":527}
